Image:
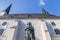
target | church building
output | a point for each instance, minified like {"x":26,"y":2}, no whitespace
{"x":43,"y":26}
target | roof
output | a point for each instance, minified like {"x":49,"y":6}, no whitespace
{"x":23,"y":16}
{"x":43,"y":15}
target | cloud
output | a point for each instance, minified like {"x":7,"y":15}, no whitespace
{"x":42,"y":3}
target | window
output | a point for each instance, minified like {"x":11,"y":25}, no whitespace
{"x":57,"y":31}
{"x":1,"y":31}
{"x":4,"y":23}
{"x":53,"y":23}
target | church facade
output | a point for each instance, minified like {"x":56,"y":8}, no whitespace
{"x":42,"y":26}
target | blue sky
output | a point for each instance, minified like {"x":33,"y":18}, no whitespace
{"x":31,"y":6}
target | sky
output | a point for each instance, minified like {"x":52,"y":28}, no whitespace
{"x":31,"y":6}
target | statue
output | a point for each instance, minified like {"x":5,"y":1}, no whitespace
{"x":29,"y":32}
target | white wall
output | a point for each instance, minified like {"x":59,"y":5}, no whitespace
{"x":51,"y":28}
{"x":39,"y":29}
{"x":35,"y":23}
{"x":55,"y":37}
{"x":9,"y":32}
{"x":57,"y":22}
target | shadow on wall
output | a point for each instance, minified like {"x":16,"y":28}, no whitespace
{"x":21,"y":31}
{"x":50,"y":28}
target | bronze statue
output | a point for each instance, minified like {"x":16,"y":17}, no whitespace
{"x":29,"y":32}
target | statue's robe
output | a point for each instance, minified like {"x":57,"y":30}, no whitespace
{"x":29,"y":33}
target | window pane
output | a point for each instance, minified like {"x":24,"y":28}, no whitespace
{"x":57,"y":31}
{"x":1,"y":31}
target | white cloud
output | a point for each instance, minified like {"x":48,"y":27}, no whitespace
{"x":42,"y":3}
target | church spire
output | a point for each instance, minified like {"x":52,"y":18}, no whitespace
{"x":8,"y":9}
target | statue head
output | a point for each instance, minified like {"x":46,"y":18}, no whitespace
{"x":29,"y":24}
